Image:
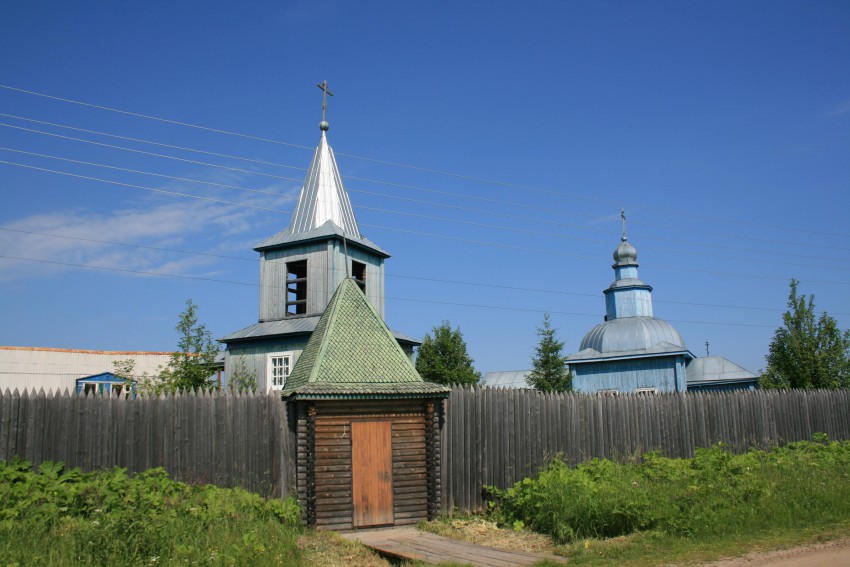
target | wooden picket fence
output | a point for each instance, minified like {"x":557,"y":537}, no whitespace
{"x":489,"y":436}
{"x":226,"y":440}
{"x":498,"y":437}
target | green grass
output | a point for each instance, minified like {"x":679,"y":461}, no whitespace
{"x":661,"y":510}
{"x":65,"y":517}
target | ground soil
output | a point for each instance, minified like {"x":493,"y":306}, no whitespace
{"x":831,"y":554}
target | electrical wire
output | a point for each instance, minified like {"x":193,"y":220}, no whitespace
{"x":391,"y":275}
{"x":467,"y":209}
{"x":426,"y":169}
{"x":459,"y":239}
{"x":454,"y":304}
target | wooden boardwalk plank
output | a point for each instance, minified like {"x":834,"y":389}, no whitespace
{"x":411,"y":543}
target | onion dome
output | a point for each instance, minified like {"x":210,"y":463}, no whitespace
{"x":625,"y":254}
{"x":630,"y":334}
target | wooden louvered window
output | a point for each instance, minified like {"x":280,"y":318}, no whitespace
{"x":358,"y":273}
{"x":296,"y":288}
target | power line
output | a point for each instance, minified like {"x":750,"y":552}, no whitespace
{"x":561,"y":253}
{"x":164,"y":191}
{"x":112,"y":243}
{"x":429,"y":170}
{"x":467,"y":209}
{"x":380,"y":182}
{"x":472,"y":241}
{"x":454,"y":304}
{"x":158,"y":119}
{"x":116,"y":168}
{"x":144,"y":152}
{"x":390,"y":275}
{"x":161,"y":144}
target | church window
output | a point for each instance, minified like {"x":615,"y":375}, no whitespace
{"x":296,"y":287}
{"x":278,"y":367}
{"x":358,"y":272}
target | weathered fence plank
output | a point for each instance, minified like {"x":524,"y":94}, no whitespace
{"x":202,"y":438}
{"x":513,"y":432}
{"x":489,"y":436}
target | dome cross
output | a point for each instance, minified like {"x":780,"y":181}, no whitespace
{"x":325,"y":92}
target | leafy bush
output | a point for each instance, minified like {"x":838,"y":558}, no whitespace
{"x":716,"y":492}
{"x":57,"y":516}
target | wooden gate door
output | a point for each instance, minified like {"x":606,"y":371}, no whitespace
{"x":372,"y":473}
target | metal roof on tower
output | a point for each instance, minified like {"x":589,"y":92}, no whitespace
{"x":323,"y":197}
{"x":323,"y":206}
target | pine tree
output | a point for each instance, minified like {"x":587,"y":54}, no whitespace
{"x":550,"y":373}
{"x":807,"y":352}
{"x":443,"y":359}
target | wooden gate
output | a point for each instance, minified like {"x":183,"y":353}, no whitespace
{"x":372,"y":473}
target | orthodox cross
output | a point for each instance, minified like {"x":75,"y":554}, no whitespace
{"x":706,"y":348}
{"x":623,"y":216}
{"x":324,"y":86}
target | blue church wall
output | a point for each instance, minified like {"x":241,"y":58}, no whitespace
{"x":628,"y":303}
{"x":665,"y":374}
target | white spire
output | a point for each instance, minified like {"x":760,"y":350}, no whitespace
{"x":323,"y":197}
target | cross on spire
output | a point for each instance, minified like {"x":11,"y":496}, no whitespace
{"x":623,"y":216}
{"x":324,"y":86}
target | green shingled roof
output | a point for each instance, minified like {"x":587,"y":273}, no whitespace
{"x":352,"y":354}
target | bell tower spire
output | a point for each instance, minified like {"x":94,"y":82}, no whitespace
{"x":323,"y":197}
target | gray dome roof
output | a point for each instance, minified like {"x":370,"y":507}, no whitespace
{"x":631,"y":334}
{"x":625,"y":253}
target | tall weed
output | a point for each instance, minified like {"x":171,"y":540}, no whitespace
{"x":65,"y":517}
{"x":716,"y":492}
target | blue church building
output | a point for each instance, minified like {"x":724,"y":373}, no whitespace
{"x":633,"y":351}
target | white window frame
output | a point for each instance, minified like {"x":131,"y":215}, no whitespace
{"x":646,"y":391}
{"x":270,"y":369}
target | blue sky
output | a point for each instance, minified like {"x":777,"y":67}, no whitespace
{"x":723,"y":128}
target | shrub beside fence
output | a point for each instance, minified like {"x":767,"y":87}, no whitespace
{"x":489,"y":436}
{"x":226,"y":440}
{"x":500,"y":436}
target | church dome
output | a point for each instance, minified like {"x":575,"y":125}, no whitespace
{"x":625,"y":254}
{"x":631,"y":334}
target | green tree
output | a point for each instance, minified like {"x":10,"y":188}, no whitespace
{"x":192,"y":365}
{"x":550,"y":373}
{"x":808,"y":352}
{"x":443,"y":358}
{"x":126,"y":369}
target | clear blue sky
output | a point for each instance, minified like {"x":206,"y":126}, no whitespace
{"x":723,"y":128}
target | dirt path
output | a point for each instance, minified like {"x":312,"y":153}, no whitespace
{"x":831,"y":554}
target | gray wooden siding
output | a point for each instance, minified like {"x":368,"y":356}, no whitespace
{"x":253,"y":357}
{"x":325,"y":270}
{"x":273,"y":279}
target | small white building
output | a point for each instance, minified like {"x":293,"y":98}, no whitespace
{"x":58,"y":369}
